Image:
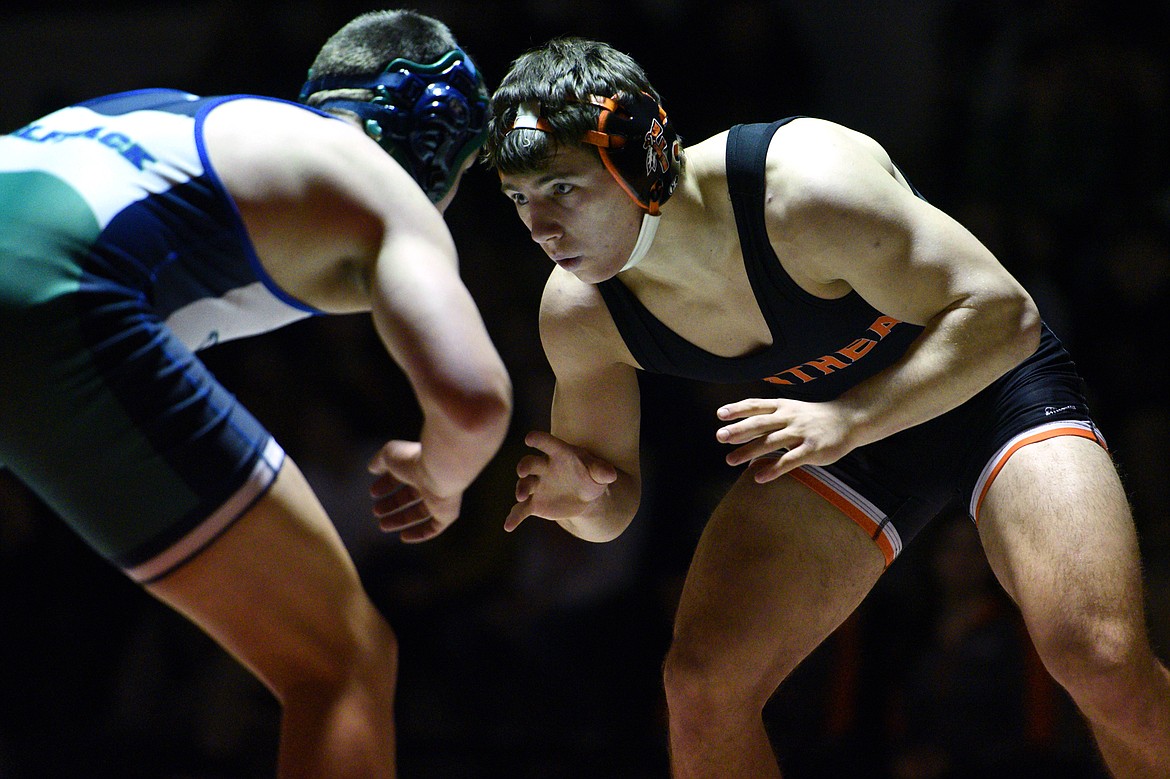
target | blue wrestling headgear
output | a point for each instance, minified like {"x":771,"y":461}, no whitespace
{"x":430,"y":118}
{"x":638,"y":146}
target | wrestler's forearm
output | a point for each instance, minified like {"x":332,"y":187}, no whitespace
{"x":960,"y":352}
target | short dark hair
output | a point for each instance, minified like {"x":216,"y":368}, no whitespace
{"x":560,"y":75}
{"x":370,"y":42}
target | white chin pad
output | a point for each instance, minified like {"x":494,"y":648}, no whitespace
{"x":645,"y":238}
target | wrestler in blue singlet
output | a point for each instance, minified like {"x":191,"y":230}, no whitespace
{"x":120,"y":255}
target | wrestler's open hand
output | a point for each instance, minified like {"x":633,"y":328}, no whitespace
{"x":557,"y":483}
{"x":402,"y":502}
{"x":792,"y":432}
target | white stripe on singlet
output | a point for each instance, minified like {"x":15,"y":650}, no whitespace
{"x":262,"y":476}
{"x":1073,"y":427}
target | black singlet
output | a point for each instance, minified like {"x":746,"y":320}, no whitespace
{"x":893,"y":487}
{"x":820,"y":348}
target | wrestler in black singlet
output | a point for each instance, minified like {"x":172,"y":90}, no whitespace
{"x":820,"y":348}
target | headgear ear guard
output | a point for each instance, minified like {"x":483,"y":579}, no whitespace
{"x":430,"y":118}
{"x":639,"y":147}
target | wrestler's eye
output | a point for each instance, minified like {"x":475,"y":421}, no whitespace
{"x":562,"y":188}
{"x":517,"y":198}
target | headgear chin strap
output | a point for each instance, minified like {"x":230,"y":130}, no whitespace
{"x":430,"y":118}
{"x":645,"y":240}
{"x":639,"y":147}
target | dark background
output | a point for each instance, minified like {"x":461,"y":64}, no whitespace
{"x":1041,"y":125}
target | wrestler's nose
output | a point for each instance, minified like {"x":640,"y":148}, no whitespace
{"x":543,"y":225}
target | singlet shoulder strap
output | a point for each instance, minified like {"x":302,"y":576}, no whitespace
{"x":747,"y":154}
{"x":645,"y":336}
{"x":747,"y":150}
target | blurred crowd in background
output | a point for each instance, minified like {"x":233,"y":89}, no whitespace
{"x":1041,"y":124}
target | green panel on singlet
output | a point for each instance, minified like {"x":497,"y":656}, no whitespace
{"x":63,"y":431}
{"x":41,"y":218}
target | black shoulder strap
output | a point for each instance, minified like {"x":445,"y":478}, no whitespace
{"x":644,"y":335}
{"x":747,"y":155}
{"x":747,"y":150}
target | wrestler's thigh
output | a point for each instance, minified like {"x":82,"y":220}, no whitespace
{"x":776,"y":570}
{"x":1058,"y":533}
{"x":278,"y":589}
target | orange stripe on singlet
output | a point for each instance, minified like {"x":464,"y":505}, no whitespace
{"x":1019,"y":443}
{"x":849,"y":509}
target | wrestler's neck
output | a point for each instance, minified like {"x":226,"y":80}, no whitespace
{"x":689,"y":229}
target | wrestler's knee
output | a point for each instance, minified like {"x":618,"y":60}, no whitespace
{"x":1100,"y":660}
{"x":706,"y":689}
{"x":359,"y":654}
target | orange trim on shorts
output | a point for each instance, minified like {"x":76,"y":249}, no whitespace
{"x":845,"y":506}
{"x":1035,"y":438}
